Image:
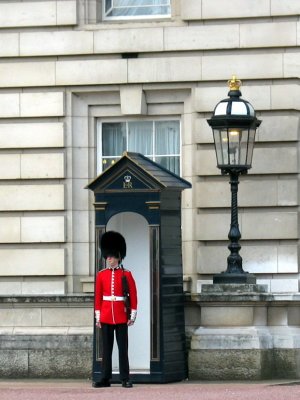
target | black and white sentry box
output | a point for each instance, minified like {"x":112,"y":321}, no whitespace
{"x":142,"y":200}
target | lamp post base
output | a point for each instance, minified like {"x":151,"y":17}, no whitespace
{"x":225,"y":277}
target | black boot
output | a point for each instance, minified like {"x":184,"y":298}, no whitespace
{"x":127,"y":383}
{"x":101,"y":384}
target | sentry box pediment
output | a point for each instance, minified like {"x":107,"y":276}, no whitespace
{"x":137,"y":172}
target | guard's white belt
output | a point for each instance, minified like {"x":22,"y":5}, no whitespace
{"x":113,"y":298}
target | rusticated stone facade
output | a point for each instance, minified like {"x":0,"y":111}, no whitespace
{"x":62,"y":68}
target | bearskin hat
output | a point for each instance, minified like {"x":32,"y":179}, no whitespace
{"x":113,"y":244}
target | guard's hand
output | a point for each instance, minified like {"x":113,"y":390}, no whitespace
{"x":130,"y":322}
{"x":98,"y":324}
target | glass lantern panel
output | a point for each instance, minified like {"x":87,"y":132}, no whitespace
{"x":221,"y":109}
{"x":221,"y":144}
{"x":234,"y":150}
{"x":238,"y":108}
{"x":251,"y":141}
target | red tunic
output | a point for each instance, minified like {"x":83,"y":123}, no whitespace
{"x":108,"y":284}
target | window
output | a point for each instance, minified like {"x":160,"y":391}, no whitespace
{"x":136,"y":8}
{"x":159,"y":140}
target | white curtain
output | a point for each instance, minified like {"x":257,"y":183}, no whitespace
{"x":140,"y":137}
{"x":113,"y":139}
{"x":167,"y":137}
{"x":140,"y":7}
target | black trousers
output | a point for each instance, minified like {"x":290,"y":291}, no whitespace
{"x":108,"y":332}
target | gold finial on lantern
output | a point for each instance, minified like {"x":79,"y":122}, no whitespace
{"x":234,"y":83}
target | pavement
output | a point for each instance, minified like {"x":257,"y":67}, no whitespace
{"x":188,"y":390}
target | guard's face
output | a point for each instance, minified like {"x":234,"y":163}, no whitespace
{"x":112,"y":261}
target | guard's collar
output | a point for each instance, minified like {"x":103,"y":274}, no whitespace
{"x":113,"y":268}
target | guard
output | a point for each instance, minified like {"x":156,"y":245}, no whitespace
{"x":115,"y":307}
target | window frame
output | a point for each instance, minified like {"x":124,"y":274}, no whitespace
{"x":100,"y":121}
{"x":133,"y":17}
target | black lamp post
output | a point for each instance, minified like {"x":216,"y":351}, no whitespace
{"x":234,"y":126}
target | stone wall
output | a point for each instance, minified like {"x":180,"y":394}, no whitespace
{"x":63,"y":70}
{"x":46,"y":337}
{"x":245,"y":335}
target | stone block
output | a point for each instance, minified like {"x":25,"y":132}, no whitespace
{"x":88,"y":72}
{"x":14,"y":363}
{"x":260,"y":193}
{"x":287,"y":192}
{"x":27,"y":74}
{"x":260,"y":316}
{"x":291,"y":67}
{"x":29,"y":13}
{"x":265,"y":160}
{"x":42,"y":166}
{"x":170,"y":69}
{"x":293,"y":316}
{"x":81,"y":166}
{"x":129,"y":40}
{"x":289,"y":7}
{"x":9,"y":230}
{"x":278,"y":34}
{"x":31,"y":135}
{"x":202,"y":131}
{"x":20,"y":316}
{"x":56,"y":363}
{"x":187,"y":126}
{"x":87,"y":285}
{"x":81,"y":226}
{"x":66,"y":316}
{"x":287,"y":259}
{"x":9,"y":105}
{"x":279,"y":98}
{"x":250,"y":66}
{"x":42,"y":104}
{"x":56,"y":43}
{"x":257,"y":259}
{"x":284,"y":285}
{"x":188,"y":223}
{"x":191,"y":9}
{"x":66,"y":12}
{"x":226,"y":316}
{"x":81,"y":258}
{"x":43,"y":287}
{"x":210,"y":226}
{"x":278,"y":128}
{"x":202,"y":37}
{"x":277,"y":316}
{"x":220,"y":365}
{"x":10,"y":286}
{"x":269,"y":225}
{"x":187,"y":164}
{"x":32,"y":262}
{"x":31,"y":197}
{"x":10,"y":166}
{"x":41,"y":13}
{"x":43,"y":229}
{"x":133,"y":101}
{"x":9,"y":44}
{"x":80,"y":198}
{"x":214,"y":9}
{"x":206,"y":163}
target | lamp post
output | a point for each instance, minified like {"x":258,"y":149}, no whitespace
{"x":234,"y":125}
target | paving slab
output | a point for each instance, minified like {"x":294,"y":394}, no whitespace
{"x":188,"y":390}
